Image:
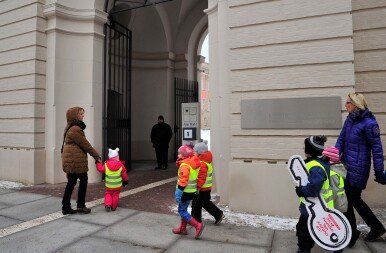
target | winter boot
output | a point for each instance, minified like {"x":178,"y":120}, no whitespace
{"x":198,"y":226}
{"x":181,"y":230}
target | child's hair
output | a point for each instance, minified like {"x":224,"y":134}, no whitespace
{"x":314,"y":145}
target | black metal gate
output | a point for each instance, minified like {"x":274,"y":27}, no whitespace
{"x":185,"y":91}
{"x":117,"y":90}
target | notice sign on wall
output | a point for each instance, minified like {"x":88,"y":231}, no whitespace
{"x":190,"y":121}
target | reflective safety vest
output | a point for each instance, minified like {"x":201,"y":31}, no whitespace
{"x":209,"y":177}
{"x":326,"y":191}
{"x":337,"y":186}
{"x":192,"y":183}
{"x":113,"y":179}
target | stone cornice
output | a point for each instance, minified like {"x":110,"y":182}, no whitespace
{"x":55,"y":9}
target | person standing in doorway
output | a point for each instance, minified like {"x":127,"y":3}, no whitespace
{"x":358,"y":141}
{"x":161,"y":133}
{"x":74,"y":159}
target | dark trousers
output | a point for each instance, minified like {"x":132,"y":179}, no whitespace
{"x":72,"y":179}
{"x":203,"y":201}
{"x":162,"y":156}
{"x":305,"y":241}
{"x":355,"y":201}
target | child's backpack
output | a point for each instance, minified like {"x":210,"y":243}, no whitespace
{"x":337,"y":176}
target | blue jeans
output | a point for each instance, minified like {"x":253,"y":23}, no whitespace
{"x":183,"y":210}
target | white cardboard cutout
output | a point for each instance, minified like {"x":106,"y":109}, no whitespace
{"x":329,"y":228}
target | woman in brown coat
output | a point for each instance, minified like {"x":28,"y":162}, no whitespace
{"x":74,"y":158}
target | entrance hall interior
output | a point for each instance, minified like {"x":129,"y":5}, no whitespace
{"x":164,"y":43}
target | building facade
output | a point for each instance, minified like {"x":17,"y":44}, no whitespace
{"x":51,"y":58}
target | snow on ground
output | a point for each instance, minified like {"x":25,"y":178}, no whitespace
{"x":246,"y":219}
{"x":10,"y":185}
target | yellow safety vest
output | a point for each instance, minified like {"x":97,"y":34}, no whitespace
{"x":326,"y":191}
{"x":113,"y":179}
{"x":209,"y":177}
{"x":192,"y":183}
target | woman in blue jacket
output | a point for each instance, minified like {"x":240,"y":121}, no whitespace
{"x":359,"y":138}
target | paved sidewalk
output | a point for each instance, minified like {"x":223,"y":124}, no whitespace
{"x":127,"y":230}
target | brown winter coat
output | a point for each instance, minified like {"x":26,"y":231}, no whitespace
{"x":76,"y":147}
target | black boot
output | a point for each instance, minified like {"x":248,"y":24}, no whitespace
{"x":303,"y":250}
{"x":354,"y":238}
{"x":374,"y":235}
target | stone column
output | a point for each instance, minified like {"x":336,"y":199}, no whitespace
{"x":74,"y":77}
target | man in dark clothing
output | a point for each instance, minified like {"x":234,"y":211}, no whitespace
{"x":161,"y":133}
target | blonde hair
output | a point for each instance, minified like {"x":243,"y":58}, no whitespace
{"x":358,"y":100}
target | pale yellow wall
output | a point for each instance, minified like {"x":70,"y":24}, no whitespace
{"x":277,"y":49}
{"x":22,"y":90}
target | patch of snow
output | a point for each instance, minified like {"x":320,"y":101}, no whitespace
{"x":10,"y":185}
{"x":246,"y":219}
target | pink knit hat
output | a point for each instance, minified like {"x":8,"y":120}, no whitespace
{"x":332,"y":153}
{"x":185,"y":151}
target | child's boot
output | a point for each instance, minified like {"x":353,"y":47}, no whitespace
{"x":198,"y":226}
{"x":181,"y":230}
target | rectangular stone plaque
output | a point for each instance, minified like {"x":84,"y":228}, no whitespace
{"x":292,"y":113}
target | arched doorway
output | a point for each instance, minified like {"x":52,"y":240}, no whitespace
{"x":164,"y":39}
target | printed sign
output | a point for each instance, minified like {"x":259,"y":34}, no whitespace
{"x":329,"y":228}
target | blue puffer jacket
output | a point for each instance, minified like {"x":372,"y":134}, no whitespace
{"x":360,"y":136}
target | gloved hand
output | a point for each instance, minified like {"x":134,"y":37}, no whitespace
{"x":380,"y":177}
{"x":124,"y":183}
{"x":178,"y":195}
{"x":299,"y":191}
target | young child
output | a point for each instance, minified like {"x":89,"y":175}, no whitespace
{"x":318,"y":171}
{"x":204,"y":185}
{"x":186,"y":189}
{"x":116,"y":177}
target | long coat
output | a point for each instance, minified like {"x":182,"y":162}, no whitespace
{"x":358,"y":140}
{"x":76,"y":147}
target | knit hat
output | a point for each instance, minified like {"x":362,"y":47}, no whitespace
{"x":358,"y":100}
{"x":314,"y":145}
{"x":113,"y":152}
{"x":332,"y":153}
{"x":185,"y":151}
{"x":201,"y":147}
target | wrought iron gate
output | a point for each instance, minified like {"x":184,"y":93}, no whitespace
{"x":185,"y":91}
{"x":117,"y":90}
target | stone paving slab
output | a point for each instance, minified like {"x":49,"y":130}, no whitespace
{"x":199,"y":246}
{"x":3,"y":191}
{"x":2,"y":205}
{"x":6,"y":222}
{"x":146,"y":229}
{"x":99,"y":216}
{"x":93,"y":244}
{"x":229,"y":234}
{"x":48,"y":237}
{"x":284,"y":241}
{"x":33,"y":209}
{"x":17,"y":198}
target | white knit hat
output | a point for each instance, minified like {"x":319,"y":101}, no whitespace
{"x":113,"y":152}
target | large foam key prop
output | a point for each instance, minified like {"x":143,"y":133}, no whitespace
{"x":328,"y":227}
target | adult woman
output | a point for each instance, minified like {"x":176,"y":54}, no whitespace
{"x":359,"y":138}
{"x":74,"y":158}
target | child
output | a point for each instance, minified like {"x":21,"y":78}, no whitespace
{"x":116,"y":177}
{"x":204,"y":185}
{"x":186,"y":189}
{"x":318,"y":169}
